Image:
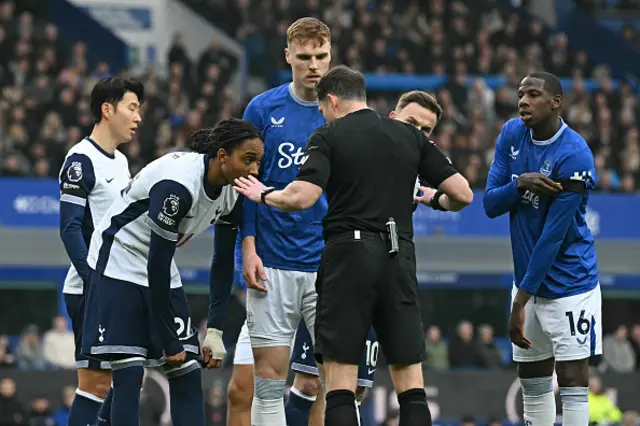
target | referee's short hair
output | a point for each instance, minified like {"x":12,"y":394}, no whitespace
{"x":342,"y":82}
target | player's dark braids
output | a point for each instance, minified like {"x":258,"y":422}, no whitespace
{"x":227,"y":134}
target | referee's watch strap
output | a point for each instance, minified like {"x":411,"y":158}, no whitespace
{"x":435,"y":201}
{"x":265,"y":193}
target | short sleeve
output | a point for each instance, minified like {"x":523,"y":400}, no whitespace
{"x":252,"y":114}
{"x":234,"y":218}
{"x":77,"y":179}
{"x":316,"y":163}
{"x":577,"y":172}
{"x":435,"y":167}
{"x":169,"y":203}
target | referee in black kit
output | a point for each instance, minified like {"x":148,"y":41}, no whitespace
{"x":367,"y":164}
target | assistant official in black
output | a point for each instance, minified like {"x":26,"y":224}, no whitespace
{"x":367,"y":164}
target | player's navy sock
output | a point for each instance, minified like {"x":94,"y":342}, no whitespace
{"x":104,"y":415}
{"x":84,"y":409}
{"x":298,"y":408}
{"x":187,"y":399}
{"x":538,"y":401}
{"x":125,"y":403}
{"x":575,"y":406}
{"x":414,"y":410}
{"x":341,"y":409}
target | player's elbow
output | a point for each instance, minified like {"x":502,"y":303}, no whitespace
{"x":305,"y":198}
{"x":490,"y":207}
{"x":461,"y":199}
{"x":458,"y":192}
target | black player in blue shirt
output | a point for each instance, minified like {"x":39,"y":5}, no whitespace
{"x":542,"y":175}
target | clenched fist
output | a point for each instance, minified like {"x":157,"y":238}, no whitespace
{"x":213,"y":350}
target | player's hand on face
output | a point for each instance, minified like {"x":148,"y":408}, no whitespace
{"x":516,"y":327}
{"x":177,"y":359}
{"x":538,"y":184}
{"x":253,"y":272}
{"x":427,"y":195}
{"x":213,"y":351}
{"x":249,"y":187}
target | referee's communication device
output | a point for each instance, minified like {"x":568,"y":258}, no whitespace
{"x":392,"y":241}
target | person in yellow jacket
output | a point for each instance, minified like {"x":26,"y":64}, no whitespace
{"x":602,"y":410}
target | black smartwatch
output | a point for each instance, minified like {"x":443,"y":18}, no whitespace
{"x":435,"y":201}
{"x":265,"y":193}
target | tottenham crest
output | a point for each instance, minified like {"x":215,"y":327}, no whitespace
{"x":546,"y":168}
{"x":74,"y":172}
{"x":171,"y":205}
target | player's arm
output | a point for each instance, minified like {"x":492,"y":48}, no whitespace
{"x":313,"y":176}
{"x":453,"y":190}
{"x":222,"y":265}
{"x":169,"y":202}
{"x":501,"y":192}
{"x":250,"y":209}
{"x":220,"y":282}
{"x":575,"y":175}
{"x":76,"y":183}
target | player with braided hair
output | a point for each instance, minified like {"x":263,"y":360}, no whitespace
{"x":139,"y":311}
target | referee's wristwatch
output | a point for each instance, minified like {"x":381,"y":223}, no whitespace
{"x":435,"y":201}
{"x":265,"y":193}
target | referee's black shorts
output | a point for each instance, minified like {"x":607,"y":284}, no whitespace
{"x":358,"y":285}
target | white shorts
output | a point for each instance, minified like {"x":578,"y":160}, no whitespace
{"x":568,"y":329}
{"x":273,"y":317}
{"x":243,"y":354}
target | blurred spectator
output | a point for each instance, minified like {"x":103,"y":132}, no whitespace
{"x":488,"y":352}
{"x":463,"y":351}
{"x":59,"y":344}
{"x":11,"y":410}
{"x":468,"y":421}
{"x":437,"y":351}
{"x":631,"y":418}
{"x":61,"y":414}
{"x":150,"y":410}
{"x":601,"y":409}
{"x":617,"y":351}
{"x":30,"y":353}
{"x":635,"y":342}
{"x":40,"y":414}
{"x":393,"y":418}
{"x":6,"y":358}
{"x":216,"y":406}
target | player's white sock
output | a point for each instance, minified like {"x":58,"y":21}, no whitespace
{"x":267,"y":412}
{"x":538,"y":401}
{"x":267,"y":408}
{"x":575,"y":406}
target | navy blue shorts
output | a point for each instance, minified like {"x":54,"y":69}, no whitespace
{"x":75,"y":309}
{"x":303,"y":360}
{"x":119,"y":322}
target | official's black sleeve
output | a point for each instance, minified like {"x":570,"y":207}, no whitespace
{"x":435,"y":167}
{"x":316,"y":167}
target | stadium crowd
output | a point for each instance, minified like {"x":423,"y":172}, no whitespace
{"x":45,"y":83}
{"x":466,"y":347}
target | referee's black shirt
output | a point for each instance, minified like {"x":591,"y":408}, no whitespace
{"x":367,"y":164}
